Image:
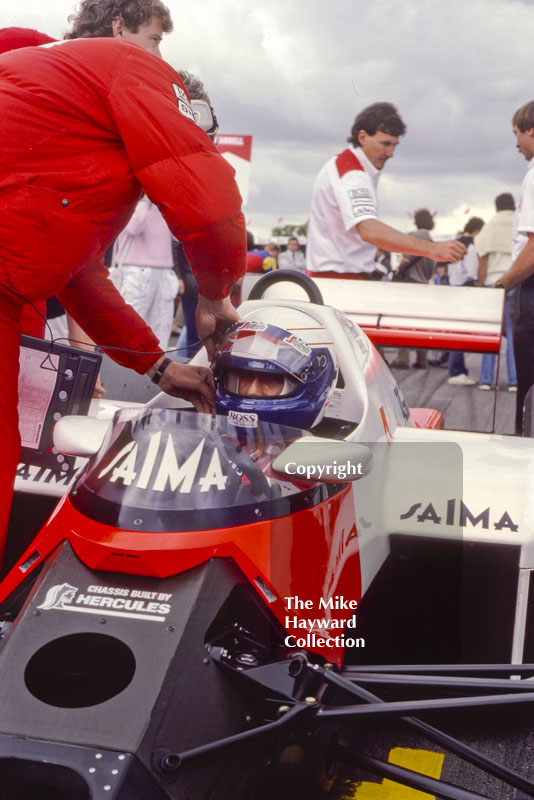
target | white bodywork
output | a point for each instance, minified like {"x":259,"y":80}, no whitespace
{"x":408,"y":306}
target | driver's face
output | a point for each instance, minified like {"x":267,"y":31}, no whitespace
{"x":254,"y":384}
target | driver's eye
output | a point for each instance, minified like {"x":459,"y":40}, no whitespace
{"x":247,"y":377}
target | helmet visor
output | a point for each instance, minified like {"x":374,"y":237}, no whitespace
{"x":268,"y":348}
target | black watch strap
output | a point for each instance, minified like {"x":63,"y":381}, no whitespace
{"x":156,"y":377}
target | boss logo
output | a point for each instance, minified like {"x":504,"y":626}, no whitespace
{"x":242,"y":419}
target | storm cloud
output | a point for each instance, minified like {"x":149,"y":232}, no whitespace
{"x":295,"y":74}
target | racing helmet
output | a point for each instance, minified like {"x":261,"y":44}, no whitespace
{"x":265,"y":372}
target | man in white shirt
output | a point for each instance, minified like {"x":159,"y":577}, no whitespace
{"x":344,"y":231}
{"x":521,"y":273}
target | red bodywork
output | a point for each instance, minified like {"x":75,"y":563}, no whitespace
{"x":311,"y":554}
{"x":427,"y":418}
{"x":433,"y":340}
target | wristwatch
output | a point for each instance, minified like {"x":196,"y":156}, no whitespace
{"x":156,"y":377}
{"x":498,"y":285}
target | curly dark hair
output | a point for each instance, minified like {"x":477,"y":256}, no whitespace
{"x":194,"y":86}
{"x":377,"y":117}
{"x":95,"y":17}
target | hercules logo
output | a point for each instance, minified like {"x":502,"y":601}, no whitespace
{"x":58,"y":596}
{"x":114,"y":601}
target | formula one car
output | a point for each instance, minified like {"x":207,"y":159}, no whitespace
{"x":216,"y":605}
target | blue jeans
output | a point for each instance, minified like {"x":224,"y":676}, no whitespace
{"x":487,"y":368}
{"x":457,"y":364}
{"x":188,"y":344}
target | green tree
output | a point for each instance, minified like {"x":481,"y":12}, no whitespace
{"x":290,"y":229}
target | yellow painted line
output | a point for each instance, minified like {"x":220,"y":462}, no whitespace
{"x":424,"y":761}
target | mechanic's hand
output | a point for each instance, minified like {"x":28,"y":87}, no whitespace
{"x":194,"y":384}
{"x":213,"y":318}
{"x":450,"y":251}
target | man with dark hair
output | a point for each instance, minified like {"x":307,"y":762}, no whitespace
{"x":423,"y":219}
{"x":505,"y":202}
{"x":344,"y":231}
{"x":521,"y":273}
{"x":376,"y":118}
{"x":494,"y":247}
{"x":141,"y":21}
{"x":418,"y":269}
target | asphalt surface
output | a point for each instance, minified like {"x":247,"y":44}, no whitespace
{"x":507,"y":739}
{"x":464,"y":407}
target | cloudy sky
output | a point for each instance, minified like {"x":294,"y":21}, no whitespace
{"x":294,"y":74}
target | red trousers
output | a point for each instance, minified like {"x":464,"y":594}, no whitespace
{"x":11,"y":309}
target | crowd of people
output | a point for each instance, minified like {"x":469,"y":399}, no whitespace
{"x":88,"y":160}
{"x":344,"y":235}
{"x":488,"y":255}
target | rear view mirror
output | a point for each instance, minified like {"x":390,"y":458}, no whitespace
{"x":80,"y":436}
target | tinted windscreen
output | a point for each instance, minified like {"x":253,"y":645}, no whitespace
{"x":169,"y":470}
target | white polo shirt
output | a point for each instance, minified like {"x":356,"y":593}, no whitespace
{"x":343,"y":196}
{"x":524,"y":213}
